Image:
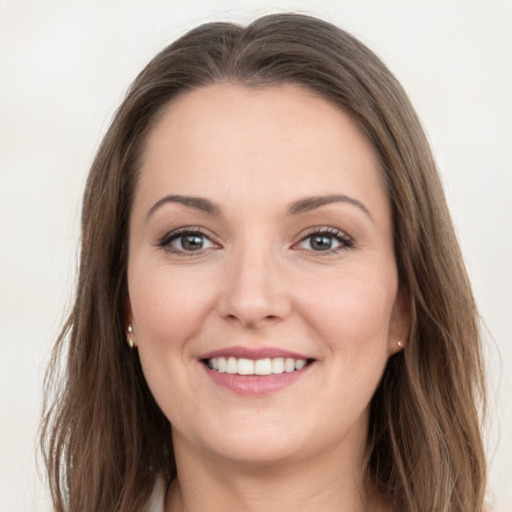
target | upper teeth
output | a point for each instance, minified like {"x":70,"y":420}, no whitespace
{"x":267,"y":366}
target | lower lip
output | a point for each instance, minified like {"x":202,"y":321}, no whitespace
{"x":256,"y":385}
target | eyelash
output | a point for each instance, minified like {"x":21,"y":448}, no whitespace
{"x":166,"y":240}
{"x":345,"y":241}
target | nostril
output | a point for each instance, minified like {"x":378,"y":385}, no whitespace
{"x":253,"y":310}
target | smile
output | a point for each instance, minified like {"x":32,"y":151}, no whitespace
{"x":255,"y":372}
{"x":266,"y":366}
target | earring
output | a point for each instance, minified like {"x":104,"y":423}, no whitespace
{"x":131,"y":344}
{"x":399,"y":343}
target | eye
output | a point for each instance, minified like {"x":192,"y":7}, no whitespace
{"x":186,"y":241}
{"x":326,"y":240}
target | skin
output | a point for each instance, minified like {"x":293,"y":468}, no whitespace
{"x":258,"y":281}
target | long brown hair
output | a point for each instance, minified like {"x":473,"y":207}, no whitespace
{"x":104,"y":438}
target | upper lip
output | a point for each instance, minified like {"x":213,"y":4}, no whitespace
{"x":253,"y":353}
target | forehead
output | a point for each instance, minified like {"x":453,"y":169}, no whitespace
{"x":227,"y":138}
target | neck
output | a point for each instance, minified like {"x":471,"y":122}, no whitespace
{"x":332,"y":481}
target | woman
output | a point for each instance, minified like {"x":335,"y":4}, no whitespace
{"x":272,"y":310}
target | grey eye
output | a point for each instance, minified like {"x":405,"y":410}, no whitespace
{"x":190,"y":242}
{"x":327,"y":240}
{"x":320,"y":242}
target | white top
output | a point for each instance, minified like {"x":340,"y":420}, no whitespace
{"x":156,"y":502}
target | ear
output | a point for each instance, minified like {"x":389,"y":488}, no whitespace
{"x":399,"y":324}
{"x":129,"y":328}
{"x":128,"y":314}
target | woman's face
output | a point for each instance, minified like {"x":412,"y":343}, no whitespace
{"x":262,"y":279}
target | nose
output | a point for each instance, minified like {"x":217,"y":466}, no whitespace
{"x":254,"y":292}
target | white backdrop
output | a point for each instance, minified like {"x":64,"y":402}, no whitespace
{"x":64,"y":66}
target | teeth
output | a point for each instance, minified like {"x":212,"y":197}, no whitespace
{"x":289,"y":364}
{"x":278,"y":365}
{"x":231,"y":365}
{"x":263,"y":367}
{"x":245,"y":367}
{"x":299,"y":364}
{"x":266,"y":366}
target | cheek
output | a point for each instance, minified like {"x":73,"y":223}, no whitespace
{"x":349,"y":317}
{"x":353,"y":314}
{"x":167,"y":306}
{"x":168,"y":309}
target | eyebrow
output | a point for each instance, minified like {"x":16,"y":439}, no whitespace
{"x":197,"y":203}
{"x":312,"y":203}
{"x":304,"y":205}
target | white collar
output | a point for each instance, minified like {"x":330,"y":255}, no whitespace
{"x":156,"y":502}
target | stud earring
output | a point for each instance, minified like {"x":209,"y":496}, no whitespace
{"x":399,"y":343}
{"x":131,"y":344}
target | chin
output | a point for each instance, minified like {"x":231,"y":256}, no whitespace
{"x":257,"y":453}
{"x":254,"y":443}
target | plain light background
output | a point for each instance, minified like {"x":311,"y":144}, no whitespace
{"x":64,"y":67}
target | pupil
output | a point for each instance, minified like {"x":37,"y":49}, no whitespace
{"x":321,"y":242}
{"x":192,"y":242}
